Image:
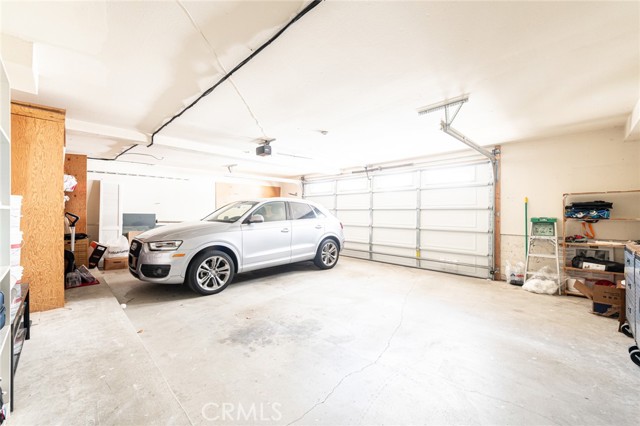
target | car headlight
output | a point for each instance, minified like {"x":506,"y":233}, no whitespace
{"x":164,"y":245}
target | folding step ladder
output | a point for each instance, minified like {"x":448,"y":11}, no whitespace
{"x":543,"y":231}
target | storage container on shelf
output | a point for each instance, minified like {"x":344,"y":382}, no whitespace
{"x":16,"y":301}
{"x":15,"y":247}
{"x":15,"y":212}
{"x":16,"y":275}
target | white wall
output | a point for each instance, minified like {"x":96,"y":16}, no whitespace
{"x":543,"y":170}
{"x":171,"y":194}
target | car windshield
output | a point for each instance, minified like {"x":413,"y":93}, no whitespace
{"x":231,"y":212}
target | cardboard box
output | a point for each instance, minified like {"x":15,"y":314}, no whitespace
{"x":80,"y":250}
{"x":95,"y":254}
{"x":132,"y":234}
{"x":116,"y":263}
{"x":606,"y":300}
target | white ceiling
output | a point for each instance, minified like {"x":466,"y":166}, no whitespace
{"x":357,"y":70}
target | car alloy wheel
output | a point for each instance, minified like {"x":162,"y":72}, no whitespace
{"x":327,"y":255}
{"x":213,"y":273}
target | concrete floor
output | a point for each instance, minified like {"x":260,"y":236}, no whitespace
{"x":364,"y":343}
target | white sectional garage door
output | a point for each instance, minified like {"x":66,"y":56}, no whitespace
{"x":439,"y":218}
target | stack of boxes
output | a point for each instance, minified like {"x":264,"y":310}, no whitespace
{"x":16,"y":247}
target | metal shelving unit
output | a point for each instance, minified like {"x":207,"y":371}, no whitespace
{"x":624,"y":225}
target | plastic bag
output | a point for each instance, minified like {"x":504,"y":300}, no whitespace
{"x":515,"y":273}
{"x":542,"y":282}
{"x":117,"y":248}
{"x":70,"y":183}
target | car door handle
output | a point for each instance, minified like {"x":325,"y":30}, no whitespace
{"x":318,"y":226}
{"x":285,"y":230}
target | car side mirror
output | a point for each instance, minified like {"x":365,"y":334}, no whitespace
{"x":256,"y":218}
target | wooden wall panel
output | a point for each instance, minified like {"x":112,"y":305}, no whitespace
{"x":37,"y":140}
{"x":76,"y":165}
{"x":229,"y":192}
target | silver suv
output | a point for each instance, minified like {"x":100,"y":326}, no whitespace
{"x":239,"y":237}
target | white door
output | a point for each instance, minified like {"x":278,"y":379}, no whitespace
{"x":306,"y":231}
{"x":268,"y":243}
{"x":110,"y":225}
{"x":439,"y":218}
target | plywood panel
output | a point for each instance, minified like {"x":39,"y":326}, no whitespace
{"x":76,"y":165}
{"x":37,"y":175}
{"x":40,"y":112}
{"x":229,"y":192}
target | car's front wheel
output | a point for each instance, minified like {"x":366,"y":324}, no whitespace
{"x":327,"y":255}
{"x":210,"y":272}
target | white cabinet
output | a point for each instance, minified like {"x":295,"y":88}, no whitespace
{"x":5,"y":238}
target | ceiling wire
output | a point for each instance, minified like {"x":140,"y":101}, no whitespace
{"x":140,"y":153}
{"x":215,"y":55}
{"x":225,"y":77}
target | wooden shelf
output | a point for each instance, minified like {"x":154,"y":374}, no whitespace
{"x":594,"y":244}
{"x":601,"y":192}
{"x":592,"y":271}
{"x":623,"y":219}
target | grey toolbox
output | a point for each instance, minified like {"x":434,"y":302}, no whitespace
{"x":634,"y":352}
{"x":630,"y":291}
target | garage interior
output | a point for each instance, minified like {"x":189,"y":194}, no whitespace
{"x":453,"y":140}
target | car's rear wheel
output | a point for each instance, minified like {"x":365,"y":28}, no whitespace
{"x":327,"y":255}
{"x":210,"y":272}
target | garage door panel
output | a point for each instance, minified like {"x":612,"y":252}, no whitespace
{"x":405,"y":237}
{"x":350,"y":245}
{"x":473,"y":173}
{"x":399,"y":251}
{"x":353,"y":201}
{"x":356,"y":234}
{"x":455,"y":269}
{"x":471,"y":220}
{"x":318,"y":188}
{"x":354,"y":217}
{"x":400,"y":218}
{"x":394,"y":259}
{"x":394,"y":181}
{"x":398,"y":200}
{"x":459,"y":242}
{"x":449,"y":209}
{"x":357,"y":254}
{"x":468,"y":197}
{"x":327,"y":201}
{"x":353,"y":185}
{"x":458,"y":258}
